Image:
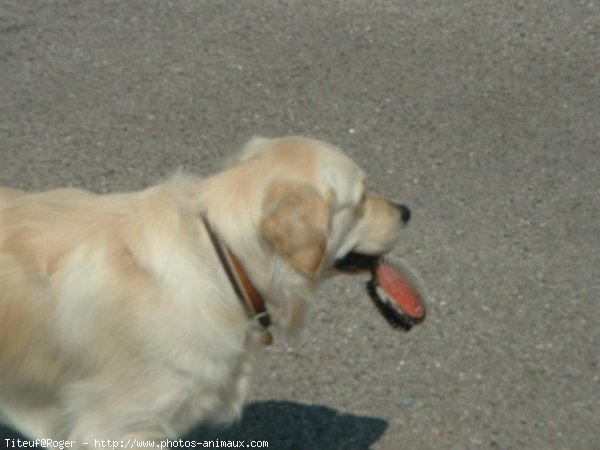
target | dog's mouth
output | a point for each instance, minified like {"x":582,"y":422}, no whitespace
{"x":355,"y":262}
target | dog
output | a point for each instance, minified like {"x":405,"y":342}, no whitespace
{"x":139,"y":315}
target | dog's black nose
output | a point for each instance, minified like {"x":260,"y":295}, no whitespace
{"x":404,"y":212}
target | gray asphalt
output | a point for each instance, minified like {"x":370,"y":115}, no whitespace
{"x":483,"y":116}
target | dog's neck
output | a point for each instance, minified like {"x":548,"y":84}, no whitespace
{"x":245,"y":290}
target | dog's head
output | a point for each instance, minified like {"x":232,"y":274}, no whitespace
{"x":315,"y":206}
{"x":296,"y":211}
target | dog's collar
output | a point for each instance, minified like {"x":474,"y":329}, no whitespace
{"x":246,"y":292}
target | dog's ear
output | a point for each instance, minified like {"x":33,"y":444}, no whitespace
{"x":295,"y":221}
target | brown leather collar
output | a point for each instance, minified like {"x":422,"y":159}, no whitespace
{"x":246,"y":292}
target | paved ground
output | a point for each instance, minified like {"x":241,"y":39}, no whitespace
{"x":483,"y":116}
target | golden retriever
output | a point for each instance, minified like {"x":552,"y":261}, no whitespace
{"x":118,"y":318}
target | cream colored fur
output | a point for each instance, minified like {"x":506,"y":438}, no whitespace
{"x":116,"y":318}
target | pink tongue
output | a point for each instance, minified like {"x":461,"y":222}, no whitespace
{"x":400,"y":290}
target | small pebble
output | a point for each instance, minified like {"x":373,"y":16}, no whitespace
{"x":408,"y":402}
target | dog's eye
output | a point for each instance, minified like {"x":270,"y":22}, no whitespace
{"x":361,"y":205}
{"x":363,"y":197}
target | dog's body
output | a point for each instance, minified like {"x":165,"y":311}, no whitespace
{"x":117,"y":319}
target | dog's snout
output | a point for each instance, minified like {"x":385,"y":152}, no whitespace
{"x":404,"y":212}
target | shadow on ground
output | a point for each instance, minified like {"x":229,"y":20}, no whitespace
{"x":286,"y":426}
{"x":9,"y":433}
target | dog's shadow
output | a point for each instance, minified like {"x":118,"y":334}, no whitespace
{"x":287,"y":426}
{"x":290,"y":426}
